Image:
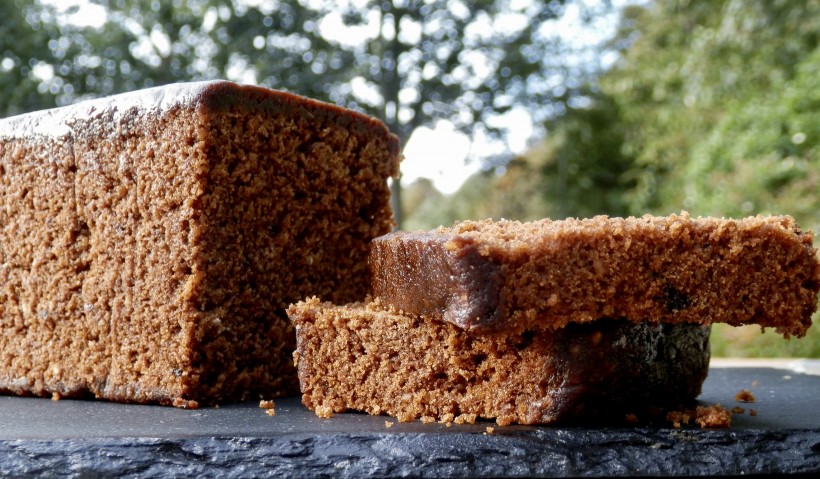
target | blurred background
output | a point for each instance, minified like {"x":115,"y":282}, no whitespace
{"x":519,"y":109}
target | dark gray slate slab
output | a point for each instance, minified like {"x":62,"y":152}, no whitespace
{"x":40,"y":437}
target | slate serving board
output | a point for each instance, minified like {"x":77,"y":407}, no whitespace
{"x":40,"y":437}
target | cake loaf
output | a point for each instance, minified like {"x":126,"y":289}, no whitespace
{"x":371,"y":358}
{"x":507,"y":274}
{"x":151,"y":241}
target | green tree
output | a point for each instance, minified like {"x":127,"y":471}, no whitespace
{"x":23,"y":41}
{"x":719,"y":102}
{"x":585,"y":171}
{"x":408,"y":62}
{"x":578,"y":170}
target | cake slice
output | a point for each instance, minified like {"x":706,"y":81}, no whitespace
{"x":547,"y":321}
{"x":677,"y":269}
{"x":368,"y":357}
{"x":150,"y":242}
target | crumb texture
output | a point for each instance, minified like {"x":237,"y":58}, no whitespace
{"x":365,"y":358}
{"x":480,"y":274}
{"x":149,"y":243}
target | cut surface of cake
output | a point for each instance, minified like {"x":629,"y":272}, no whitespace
{"x":151,"y":241}
{"x":487,"y":274}
{"x":365,"y":357}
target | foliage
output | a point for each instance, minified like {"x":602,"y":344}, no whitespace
{"x":585,"y":170}
{"x":578,"y":170}
{"x":22,"y":51}
{"x":720,"y":105}
{"x":407,"y":62}
{"x":748,"y":341}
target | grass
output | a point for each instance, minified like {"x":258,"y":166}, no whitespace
{"x":749,"y":342}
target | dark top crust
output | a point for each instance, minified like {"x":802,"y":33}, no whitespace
{"x":427,"y":273}
{"x":485,"y":274}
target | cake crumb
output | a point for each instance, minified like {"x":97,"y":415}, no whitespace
{"x":269,"y":406}
{"x":745,"y":396}
{"x":55,"y":396}
{"x":752,"y":412}
{"x":489,"y":430}
{"x":678,"y":418}
{"x":185,"y":403}
{"x":631,"y":418}
{"x":388,"y":423}
{"x":715,"y":416}
{"x":427,"y":419}
{"x":738,"y":410}
{"x":324,"y":412}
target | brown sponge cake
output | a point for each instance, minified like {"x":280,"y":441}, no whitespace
{"x":366,"y":357}
{"x":150,"y":242}
{"x":484,"y":274}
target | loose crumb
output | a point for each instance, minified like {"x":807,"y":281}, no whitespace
{"x":745,"y":396}
{"x":55,"y":396}
{"x":678,"y":418}
{"x":428,"y":419}
{"x":465,"y":419}
{"x":185,"y":403}
{"x":388,"y":423}
{"x":270,"y":412}
{"x":324,"y":412}
{"x":752,"y":412}
{"x":713,"y":416}
{"x":267,"y":404}
{"x":738,"y":410}
{"x":489,"y":430}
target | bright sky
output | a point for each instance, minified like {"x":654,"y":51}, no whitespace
{"x":439,"y":154}
{"x":448,"y":158}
